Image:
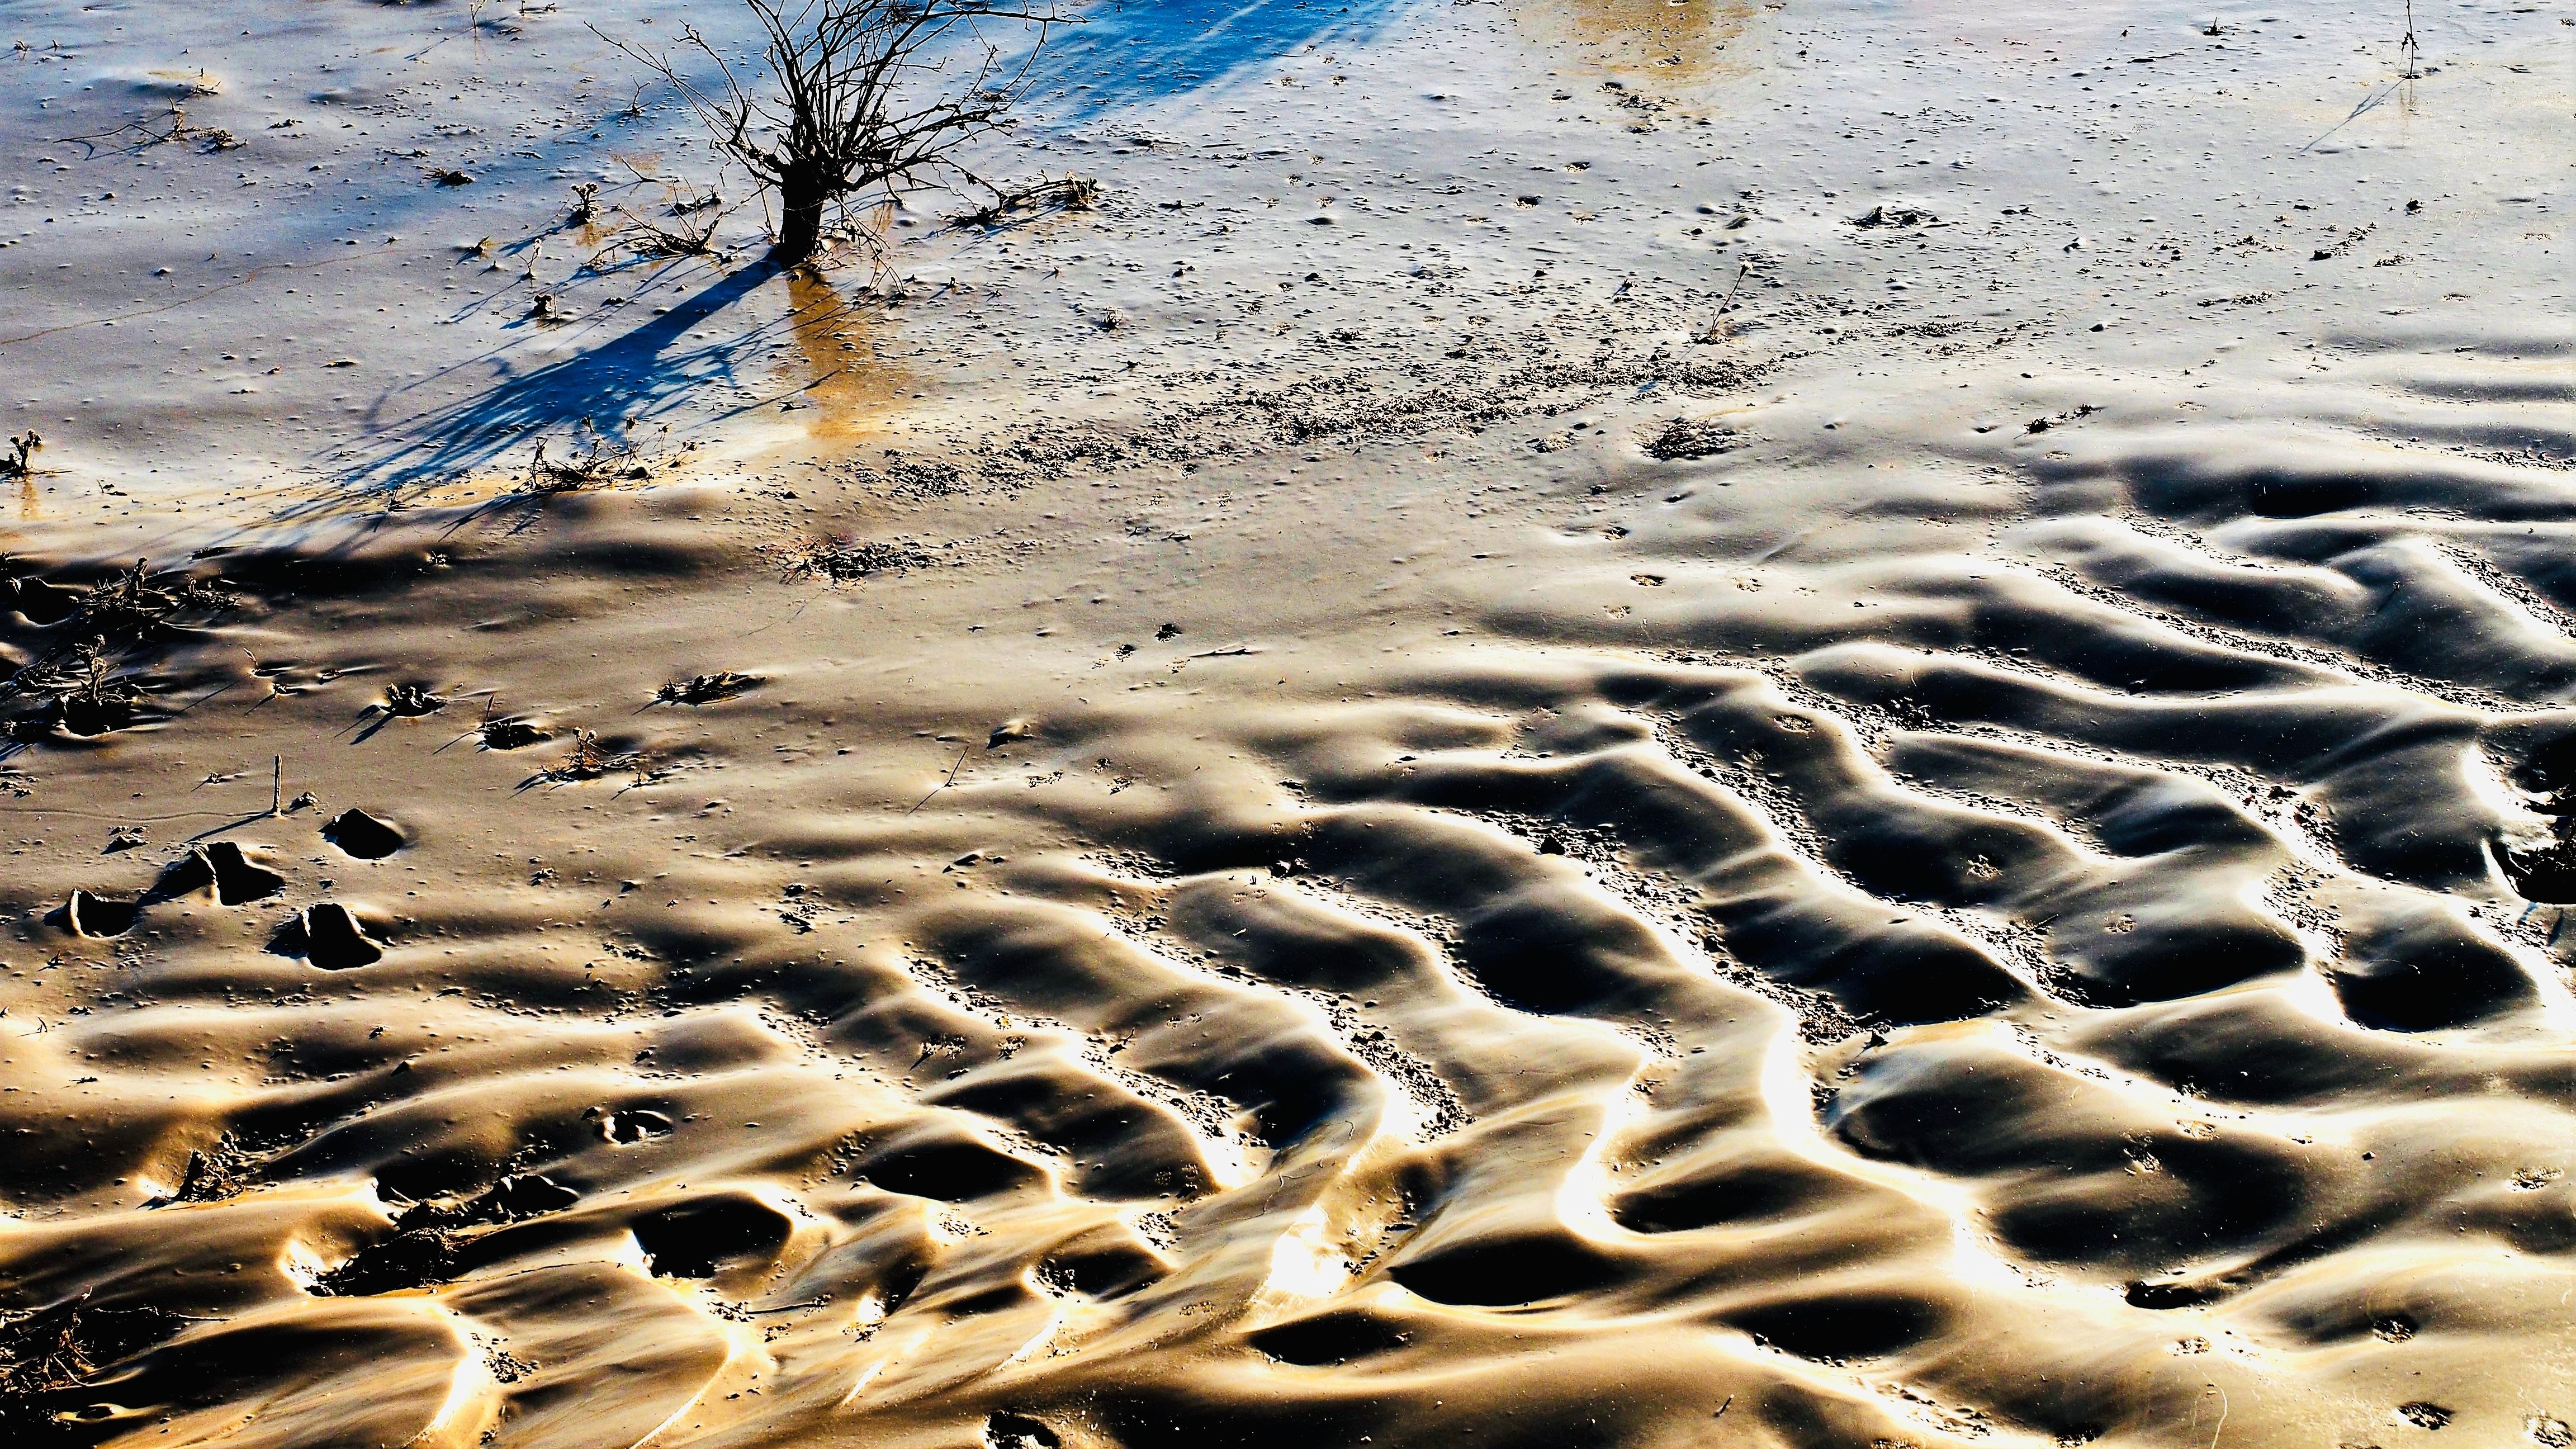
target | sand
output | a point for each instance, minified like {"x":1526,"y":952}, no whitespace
{"x":1593,"y":724}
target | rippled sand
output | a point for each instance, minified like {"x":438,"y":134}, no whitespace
{"x":1594,"y":728}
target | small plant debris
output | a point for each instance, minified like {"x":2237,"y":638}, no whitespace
{"x":595,"y":458}
{"x":1715,"y":329}
{"x":589,"y":760}
{"x":85,"y":698}
{"x":224,"y":1170}
{"x":49,"y":1355}
{"x":2041,"y":425}
{"x":647,"y":239}
{"x":1896,"y":216}
{"x":20,"y":461}
{"x":77,"y":677}
{"x":707,"y":688}
{"x":1683,"y":439}
{"x":411,"y":701}
{"x":2426,"y":1415}
{"x":1046,"y":194}
{"x":135,"y":137}
{"x":129,"y":608}
{"x":497,"y":731}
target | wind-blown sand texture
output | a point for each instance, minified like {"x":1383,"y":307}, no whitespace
{"x":1595,"y":723}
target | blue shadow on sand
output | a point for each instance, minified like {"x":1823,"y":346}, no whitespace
{"x":633,"y":377}
{"x":1132,"y":51}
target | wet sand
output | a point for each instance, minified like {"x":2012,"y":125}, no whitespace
{"x":1596,"y":724}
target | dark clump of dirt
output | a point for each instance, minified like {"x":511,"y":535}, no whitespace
{"x":2543,"y":872}
{"x":360,"y":834}
{"x":430,"y":1238}
{"x":641,"y":1124}
{"x":1018,"y":1431}
{"x":327,"y":935}
{"x":703,"y":1238}
{"x":497,"y":731}
{"x":514,"y":734}
{"x":1684,"y":439}
{"x":2424,"y":1415}
{"x":98,"y":917}
{"x":49,"y":1356}
{"x":214,"y":1173}
{"x":223,"y":868}
{"x":2180,"y":1294}
{"x":1879,"y":216}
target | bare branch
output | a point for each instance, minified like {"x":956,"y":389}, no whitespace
{"x":862,"y":100}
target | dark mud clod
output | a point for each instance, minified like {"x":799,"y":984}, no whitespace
{"x":431,"y":1239}
{"x":222,"y":867}
{"x":329,"y":936}
{"x":513,"y":734}
{"x":2160,"y":1296}
{"x":702,"y":1239}
{"x":1019,"y":1431}
{"x":360,"y":834}
{"x":212,"y":1174}
{"x":98,"y":917}
{"x":89,"y":717}
{"x":498,"y":731}
{"x":530,"y":1195}
{"x":42,"y":603}
{"x":406,"y":1260}
{"x":641,"y":1124}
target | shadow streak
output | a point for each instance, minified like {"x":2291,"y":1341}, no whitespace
{"x":1131,"y":51}
{"x":637,"y":376}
